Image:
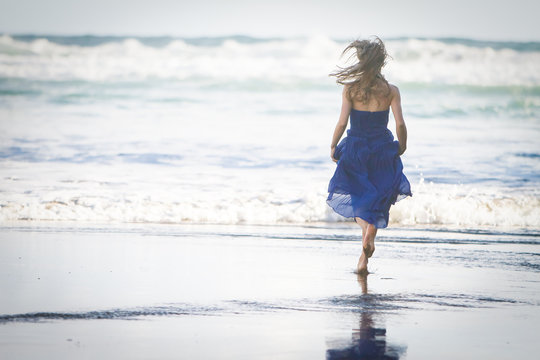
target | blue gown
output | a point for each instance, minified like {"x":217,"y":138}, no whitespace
{"x":369,"y":175}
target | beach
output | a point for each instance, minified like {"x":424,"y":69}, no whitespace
{"x":265,"y":292}
{"x":165,"y":197}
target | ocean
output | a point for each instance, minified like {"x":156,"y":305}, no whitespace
{"x":236,"y":130}
{"x":164,"y":197}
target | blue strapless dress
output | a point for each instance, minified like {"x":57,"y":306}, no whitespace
{"x":369,"y":175}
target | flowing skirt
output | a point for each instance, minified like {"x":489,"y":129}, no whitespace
{"x":368,"y":179}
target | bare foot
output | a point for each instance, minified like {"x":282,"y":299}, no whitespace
{"x":369,"y":249}
{"x":368,"y":244}
{"x":361,"y":272}
{"x":362,"y":264}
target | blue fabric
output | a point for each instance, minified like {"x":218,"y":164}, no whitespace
{"x":369,"y":175}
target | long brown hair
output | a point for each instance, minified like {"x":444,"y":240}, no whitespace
{"x":364,"y":77}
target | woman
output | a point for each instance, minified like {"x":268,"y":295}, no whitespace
{"x":369,"y":175}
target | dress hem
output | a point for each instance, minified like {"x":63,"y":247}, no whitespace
{"x":399,"y":197}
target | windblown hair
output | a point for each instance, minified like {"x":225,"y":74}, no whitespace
{"x":364,"y":78}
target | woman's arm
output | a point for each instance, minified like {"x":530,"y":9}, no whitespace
{"x":401,"y":129}
{"x":341,"y":125}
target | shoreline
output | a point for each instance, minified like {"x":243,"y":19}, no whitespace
{"x":272,"y":292}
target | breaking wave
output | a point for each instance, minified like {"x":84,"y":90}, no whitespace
{"x":285,"y":61}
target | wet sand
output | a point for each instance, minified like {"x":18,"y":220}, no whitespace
{"x":245,"y":292}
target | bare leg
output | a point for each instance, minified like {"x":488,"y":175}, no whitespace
{"x":362,"y":264}
{"x":364,"y":224}
{"x":369,"y":240}
{"x":363,"y":261}
{"x":369,"y":231}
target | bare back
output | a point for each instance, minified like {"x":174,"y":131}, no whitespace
{"x":379,"y":101}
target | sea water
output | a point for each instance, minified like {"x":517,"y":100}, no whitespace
{"x":236,"y":130}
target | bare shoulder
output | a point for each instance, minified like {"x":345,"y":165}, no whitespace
{"x":394,"y":91}
{"x":395,"y":97}
{"x":346,"y":93}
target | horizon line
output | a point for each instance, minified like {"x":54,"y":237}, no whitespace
{"x":257,"y":37}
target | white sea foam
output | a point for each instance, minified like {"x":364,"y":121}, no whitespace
{"x":237,"y":196}
{"x":433,"y":61}
{"x":230,"y":164}
{"x":131,"y":60}
{"x":282,"y":61}
{"x":424,"y":208}
{"x":237,"y":132}
{"x":469,"y":207}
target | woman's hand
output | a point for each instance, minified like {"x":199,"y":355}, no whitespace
{"x":402,"y":149}
{"x":332,"y":151}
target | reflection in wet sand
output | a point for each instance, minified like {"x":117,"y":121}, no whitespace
{"x":368,"y":341}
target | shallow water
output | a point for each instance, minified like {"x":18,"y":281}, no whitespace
{"x":227,"y":130}
{"x":193,"y":255}
{"x":204,"y":291}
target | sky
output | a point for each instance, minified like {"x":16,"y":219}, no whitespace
{"x":343,"y":19}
